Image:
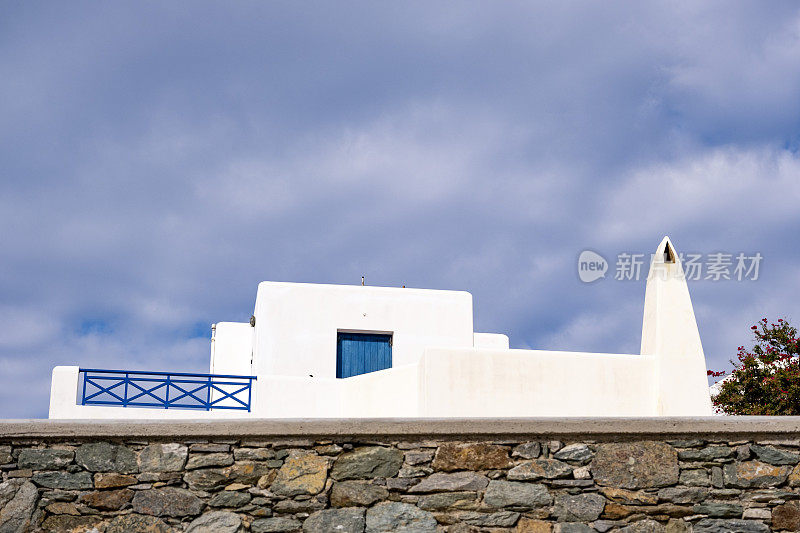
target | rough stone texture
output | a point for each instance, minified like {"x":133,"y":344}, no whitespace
{"x":754,"y":474}
{"x":530,"y":525}
{"x":210,"y":447}
{"x":572,"y":527}
{"x":774,"y":456}
{"x":470,"y":456}
{"x":206,"y":479}
{"x":63,"y":480}
{"x":496,"y":519}
{"x":758,"y":513}
{"x":5,"y":455}
{"x":106,"y":457}
{"x":139,"y":523}
{"x":442,"y":501}
{"x":498,"y":485}
{"x":717,"y":478}
{"x":349,"y":520}
{"x":167,"y":502}
{"x":247,"y":473}
{"x":17,"y":502}
{"x":368,"y":462}
{"x":644,"y":526}
{"x":229,"y":498}
{"x":207,"y":460}
{"x":578,"y":507}
{"x":294,"y":506}
{"x":676,"y":525}
{"x":528,"y":450}
{"x":787,"y":516}
{"x":305,"y":474}
{"x":635,"y":465}
{"x":719,"y":509}
{"x":44,"y":459}
{"x":696,"y":477}
{"x":794,"y":477}
{"x":163,"y":457}
{"x":68,"y":523}
{"x":629,"y":497}
{"x":253,"y":454}
{"x":418,"y":457}
{"x":683,"y":495}
{"x":729,"y":526}
{"x":108,"y":500}
{"x":456,"y":481}
{"x":112,"y":481}
{"x":540,"y":469}
{"x":62,"y":508}
{"x":706,"y":454}
{"x":400,"y":518}
{"x":575,"y":453}
{"x":357,"y":493}
{"x":275,"y":525}
{"x":515,"y":494}
{"x":215,"y":522}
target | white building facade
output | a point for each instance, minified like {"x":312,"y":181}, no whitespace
{"x":319,"y":351}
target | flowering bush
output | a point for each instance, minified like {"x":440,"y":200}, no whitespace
{"x":766,"y":379}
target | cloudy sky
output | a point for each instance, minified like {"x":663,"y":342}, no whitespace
{"x":158,"y":160}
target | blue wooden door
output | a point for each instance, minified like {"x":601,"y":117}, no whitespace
{"x":360,"y":353}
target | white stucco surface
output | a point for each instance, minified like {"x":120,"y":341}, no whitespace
{"x":669,"y":331}
{"x":496,"y":341}
{"x":232,"y":349}
{"x":440,"y":367}
{"x":297,"y":323}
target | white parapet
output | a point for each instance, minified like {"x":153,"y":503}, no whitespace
{"x":492,"y":341}
{"x":232,"y":348}
{"x":65,"y":404}
{"x":64,"y":392}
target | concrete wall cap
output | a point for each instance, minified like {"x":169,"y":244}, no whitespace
{"x":582,"y":428}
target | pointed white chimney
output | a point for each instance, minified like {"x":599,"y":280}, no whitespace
{"x":669,"y":332}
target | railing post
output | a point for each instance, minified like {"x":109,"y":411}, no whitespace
{"x":249,"y":393}
{"x":125,"y":395}
{"x":166,"y":397}
{"x":208,"y":395}
{"x":83,"y":396}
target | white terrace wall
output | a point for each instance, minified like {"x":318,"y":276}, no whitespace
{"x":466,"y":382}
{"x":475,"y":383}
{"x":64,"y":404}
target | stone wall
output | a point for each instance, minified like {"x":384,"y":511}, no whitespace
{"x":414,"y":483}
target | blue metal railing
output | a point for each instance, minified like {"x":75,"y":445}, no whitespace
{"x":166,"y":390}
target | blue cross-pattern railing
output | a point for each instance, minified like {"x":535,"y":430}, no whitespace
{"x":166,"y":390}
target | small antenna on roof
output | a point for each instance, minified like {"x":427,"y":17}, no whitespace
{"x":362,"y":281}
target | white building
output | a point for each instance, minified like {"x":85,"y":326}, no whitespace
{"x":353,"y":351}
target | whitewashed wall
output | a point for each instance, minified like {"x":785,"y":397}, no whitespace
{"x":297,"y":324}
{"x":232,"y":349}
